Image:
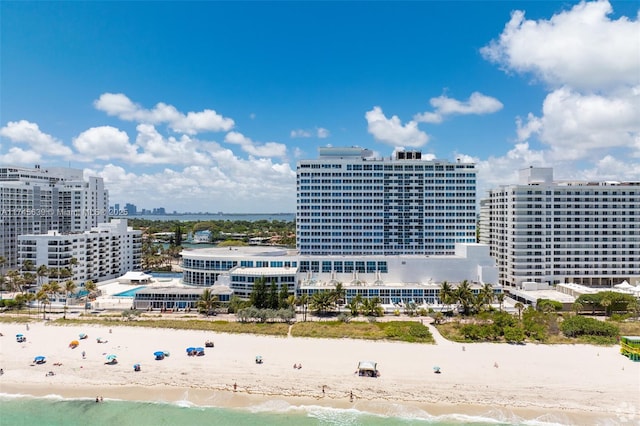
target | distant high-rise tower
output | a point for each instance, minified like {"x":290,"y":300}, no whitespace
{"x":351,"y":203}
{"x":36,"y":200}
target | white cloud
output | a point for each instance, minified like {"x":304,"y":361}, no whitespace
{"x":391,"y":130}
{"x":21,"y":157}
{"x":158,"y":149}
{"x":24,"y":131}
{"x":578,"y":125}
{"x":268,"y":149}
{"x":319,"y":132}
{"x":119,"y":105}
{"x":300,"y":133}
{"x":322,"y":133}
{"x":104,"y":143}
{"x":477,"y":104}
{"x":591,"y":65}
{"x":231,"y":185}
{"x":581,"y":47}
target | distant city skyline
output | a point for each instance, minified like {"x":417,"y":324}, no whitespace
{"x":208,"y":106}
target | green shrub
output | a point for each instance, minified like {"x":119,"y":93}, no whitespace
{"x":584,"y":326}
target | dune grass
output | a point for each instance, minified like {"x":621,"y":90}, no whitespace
{"x":403,"y":331}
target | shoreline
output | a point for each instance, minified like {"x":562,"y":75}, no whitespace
{"x":577,"y":384}
{"x":209,"y":398}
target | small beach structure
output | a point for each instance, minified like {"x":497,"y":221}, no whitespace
{"x":112,"y":359}
{"x":20,"y":338}
{"x":199,"y":351}
{"x":136,"y":367}
{"x":436,"y":369}
{"x":630,"y":347}
{"x":39,"y":360}
{"x":74,"y":344}
{"x":191,"y":351}
{"x":368,"y":369}
{"x":159,"y":355}
{"x":132,"y":277}
{"x":258,"y":359}
{"x":82,"y":336}
{"x":208,"y":344}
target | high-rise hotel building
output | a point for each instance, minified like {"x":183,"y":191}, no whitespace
{"x":37,"y":200}
{"x":558,"y":232}
{"x":352,"y":203}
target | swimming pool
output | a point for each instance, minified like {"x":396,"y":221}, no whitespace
{"x":131,"y":292}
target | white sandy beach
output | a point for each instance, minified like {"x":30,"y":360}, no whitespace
{"x":579,"y":381}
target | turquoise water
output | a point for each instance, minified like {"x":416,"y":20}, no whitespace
{"x":54,"y":411}
{"x":129,"y":293}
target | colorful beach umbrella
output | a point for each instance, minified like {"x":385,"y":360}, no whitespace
{"x":111,"y":357}
{"x":39,"y":358}
{"x":199,"y":349}
{"x":190,"y":349}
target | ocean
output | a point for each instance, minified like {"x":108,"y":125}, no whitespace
{"x":250,"y":217}
{"x":54,"y":410}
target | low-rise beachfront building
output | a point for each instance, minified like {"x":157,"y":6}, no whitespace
{"x":107,"y":251}
{"x":394,"y":279}
{"x":175,"y":298}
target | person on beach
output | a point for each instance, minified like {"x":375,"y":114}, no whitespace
{"x":83,"y":355}
{"x":351,"y":396}
{"x":235,"y":386}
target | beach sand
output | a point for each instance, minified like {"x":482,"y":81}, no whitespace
{"x":577,"y":384}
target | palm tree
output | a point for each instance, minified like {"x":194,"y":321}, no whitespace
{"x":303,"y":301}
{"x":354,"y":305}
{"x":577,"y":307}
{"x":500,"y":297}
{"x":41,"y":272}
{"x":28,"y":298}
{"x":465,"y":296}
{"x":606,"y":304}
{"x":519,"y":306}
{"x":91,"y":287}
{"x":207,"y":302}
{"x":14,"y":280}
{"x":339,"y":293}
{"x":446,"y":293}
{"x":371,"y":307}
{"x":27,"y":265}
{"x":54,"y":289}
{"x":487,"y":294}
{"x":69,"y":288}
{"x":43,"y":299}
{"x":322,"y":302}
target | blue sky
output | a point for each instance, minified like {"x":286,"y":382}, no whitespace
{"x":207,"y":106}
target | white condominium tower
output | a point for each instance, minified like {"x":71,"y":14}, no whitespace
{"x":352,"y":203}
{"x":36,"y":200}
{"x":582,"y":232}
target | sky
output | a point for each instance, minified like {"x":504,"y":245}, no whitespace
{"x":207,"y":106}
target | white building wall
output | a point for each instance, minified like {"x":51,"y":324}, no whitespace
{"x":36,"y":200}
{"x":546,"y":231}
{"x":350,"y":203}
{"x":107,"y":251}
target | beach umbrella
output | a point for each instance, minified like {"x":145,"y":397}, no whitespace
{"x":82,"y":336}
{"x":19,"y":335}
{"x":199,"y":349}
{"x":190,"y":349}
{"x":111,"y":357}
{"x":39,"y":359}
